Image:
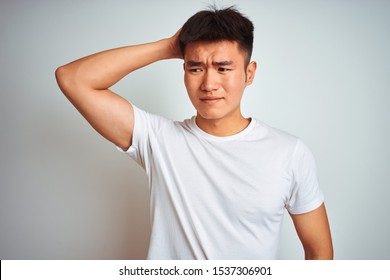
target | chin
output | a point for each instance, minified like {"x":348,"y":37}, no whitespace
{"x":210,"y":115}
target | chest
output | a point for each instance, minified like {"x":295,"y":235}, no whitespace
{"x":245,"y":179}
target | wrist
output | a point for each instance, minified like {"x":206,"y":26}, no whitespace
{"x":168,"y":49}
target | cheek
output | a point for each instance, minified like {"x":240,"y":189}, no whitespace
{"x":235,"y":85}
{"x":191,"y":84}
{"x":191,"y":88}
{"x":187,"y":82}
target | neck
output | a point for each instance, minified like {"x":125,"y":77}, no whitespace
{"x":222,"y":127}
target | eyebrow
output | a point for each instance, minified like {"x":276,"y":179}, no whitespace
{"x":193,"y":63}
{"x":222,"y":63}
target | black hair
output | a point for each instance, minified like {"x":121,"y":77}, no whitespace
{"x":214,"y":25}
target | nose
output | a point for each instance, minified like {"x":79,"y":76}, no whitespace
{"x":210,"y":81}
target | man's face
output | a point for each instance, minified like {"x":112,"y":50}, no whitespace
{"x":215,"y":78}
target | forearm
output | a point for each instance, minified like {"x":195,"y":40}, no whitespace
{"x":104,"y":69}
{"x":314,"y":232}
{"x":325,"y":255}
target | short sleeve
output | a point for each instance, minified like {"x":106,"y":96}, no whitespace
{"x":146,"y":127}
{"x":305,"y":192}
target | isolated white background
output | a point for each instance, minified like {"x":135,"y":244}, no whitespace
{"x":66,"y":193}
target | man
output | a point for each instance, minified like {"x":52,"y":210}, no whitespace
{"x":219,"y":182}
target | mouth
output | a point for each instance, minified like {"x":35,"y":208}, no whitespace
{"x":210,"y":100}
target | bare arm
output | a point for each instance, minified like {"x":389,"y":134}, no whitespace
{"x":86,"y":82}
{"x":314,"y":232}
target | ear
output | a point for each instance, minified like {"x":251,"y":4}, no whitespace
{"x":250,"y":72}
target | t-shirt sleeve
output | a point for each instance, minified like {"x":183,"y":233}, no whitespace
{"x":305,"y":193}
{"x":146,"y":126}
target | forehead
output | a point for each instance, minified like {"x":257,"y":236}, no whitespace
{"x":217,"y":51}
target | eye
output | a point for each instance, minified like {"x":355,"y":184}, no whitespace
{"x":195,"y":70}
{"x":223,"y":69}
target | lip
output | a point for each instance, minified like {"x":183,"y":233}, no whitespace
{"x":210,"y":100}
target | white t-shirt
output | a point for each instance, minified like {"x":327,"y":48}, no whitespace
{"x":221,"y":197}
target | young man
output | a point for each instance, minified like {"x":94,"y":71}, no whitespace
{"x":219,"y":182}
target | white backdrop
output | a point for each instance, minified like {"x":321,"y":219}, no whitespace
{"x":66,"y":193}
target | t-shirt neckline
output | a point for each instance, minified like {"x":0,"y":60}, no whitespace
{"x":236,"y":136}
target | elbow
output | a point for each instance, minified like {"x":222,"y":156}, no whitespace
{"x":60,"y":71}
{"x":68,"y":80}
{"x":63,"y":77}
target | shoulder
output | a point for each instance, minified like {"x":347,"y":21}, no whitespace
{"x":160,"y":127}
{"x":149,"y":120}
{"x":275,"y":136}
{"x":289,"y":146}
